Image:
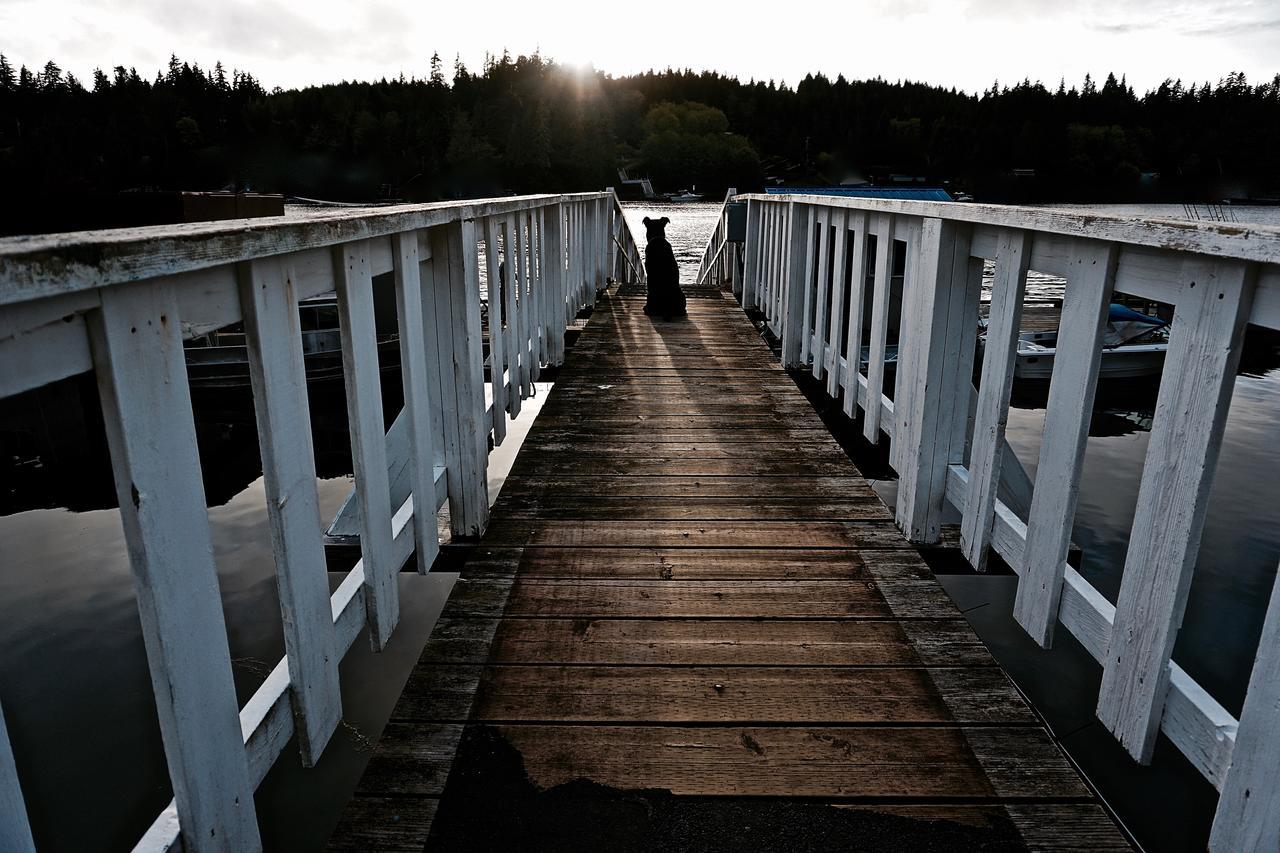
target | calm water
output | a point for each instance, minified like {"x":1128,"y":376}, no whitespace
{"x":690,"y":228}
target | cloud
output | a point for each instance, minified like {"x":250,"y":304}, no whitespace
{"x":966,"y":43}
{"x":1234,"y":28}
{"x":279,"y":29}
{"x":1195,"y":19}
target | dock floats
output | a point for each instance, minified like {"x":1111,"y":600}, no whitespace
{"x":691,"y":625}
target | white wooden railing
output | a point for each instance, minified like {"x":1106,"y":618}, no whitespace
{"x":120,"y":303}
{"x":722,"y":260}
{"x":802,"y":254}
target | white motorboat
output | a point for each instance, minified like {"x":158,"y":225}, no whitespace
{"x":684,"y":195}
{"x":1133,"y":346}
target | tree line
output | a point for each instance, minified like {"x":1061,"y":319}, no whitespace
{"x":528,"y":124}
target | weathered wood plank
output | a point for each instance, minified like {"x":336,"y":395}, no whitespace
{"x":694,"y":509}
{"x":722,"y":695}
{"x":706,"y":642}
{"x":693,"y":563}
{"x":801,"y":761}
{"x":635,"y":434}
{"x":392,"y":824}
{"x":684,"y":485}
{"x":701,"y":599}
{"x":825,"y":450}
{"x":709,"y":534}
{"x":667,"y":466}
{"x":411,"y":760}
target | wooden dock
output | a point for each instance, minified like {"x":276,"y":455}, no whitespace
{"x":691,"y":625}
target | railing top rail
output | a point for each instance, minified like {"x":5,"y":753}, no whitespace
{"x":1224,"y":239}
{"x":43,"y":265}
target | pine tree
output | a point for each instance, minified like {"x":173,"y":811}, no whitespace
{"x":51,"y":77}
{"x":8,"y":80}
{"x":437,"y":72}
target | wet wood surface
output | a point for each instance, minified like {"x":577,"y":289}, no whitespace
{"x":688,"y":591}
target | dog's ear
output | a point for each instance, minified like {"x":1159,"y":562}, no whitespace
{"x":665,"y":221}
{"x":646,"y":220}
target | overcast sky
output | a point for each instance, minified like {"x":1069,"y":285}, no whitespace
{"x":963,"y":43}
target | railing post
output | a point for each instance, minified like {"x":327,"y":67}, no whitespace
{"x":817,"y":335}
{"x":556,"y":282}
{"x":1090,"y":281}
{"x":724,"y":224}
{"x":273,"y":336}
{"x":1186,"y":435}
{"x":1248,"y":815}
{"x":461,"y":356}
{"x":497,"y":334}
{"x":575,"y":258}
{"x":146,"y":407}
{"x":407,"y":272}
{"x":795,"y":280}
{"x":942,"y":313}
{"x":354,"y":285}
{"x":765,"y":301}
{"x":811,"y":263}
{"x":839,"y":271}
{"x":613,"y":219}
{"x":509,"y":274}
{"x":524,"y":251}
{"x":880,"y":303}
{"x":542,"y":354}
{"x":15,"y":827}
{"x":1007,"y":288}
{"x":859,"y":221}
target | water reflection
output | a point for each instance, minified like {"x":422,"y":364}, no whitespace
{"x":691,"y":226}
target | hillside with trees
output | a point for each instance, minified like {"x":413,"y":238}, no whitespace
{"x":528,"y":124}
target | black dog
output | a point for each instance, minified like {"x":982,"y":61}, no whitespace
{"x":665,"y":297}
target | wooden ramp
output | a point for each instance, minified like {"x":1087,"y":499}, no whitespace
{"x":691,"y":625}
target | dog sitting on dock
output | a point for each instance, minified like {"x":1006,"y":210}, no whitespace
{"x":665,"y":300}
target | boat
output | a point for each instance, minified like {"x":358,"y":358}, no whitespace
{"x":1134,"y":346}
{"x":220,"y":359}
{"x":684,"y":195}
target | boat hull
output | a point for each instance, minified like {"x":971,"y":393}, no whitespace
{"x":1118,"y":363}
